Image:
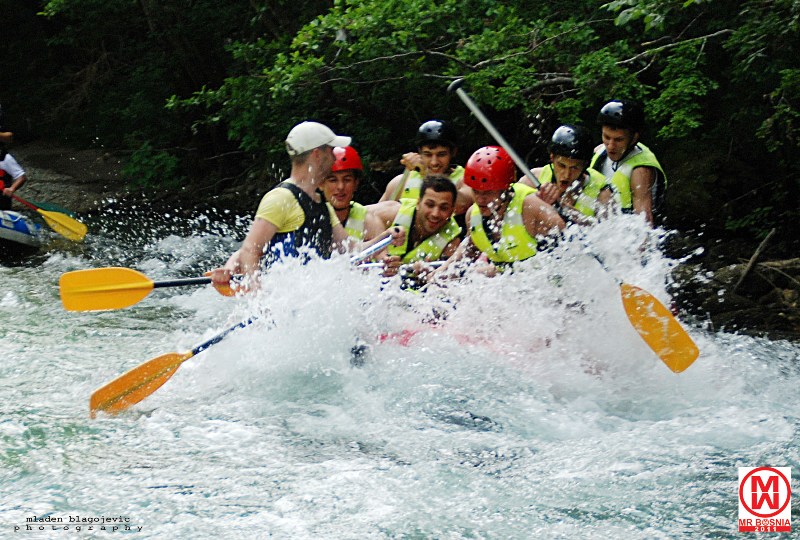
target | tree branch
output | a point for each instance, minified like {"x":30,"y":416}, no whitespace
{"x":673,"y":45}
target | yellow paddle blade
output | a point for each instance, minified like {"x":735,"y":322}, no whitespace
{"x":64,"y":225}
{"x":132,"y":387}
{"x":99,"y":289}
{"x":659,"y":329}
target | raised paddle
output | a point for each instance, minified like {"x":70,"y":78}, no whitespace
{"x":98,"y":289}
{"x":66,"y":226}
{"x":651,"y":319}
{"x":135,"y":385}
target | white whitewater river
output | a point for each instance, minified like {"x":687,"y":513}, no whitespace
{"x":533,"y":410}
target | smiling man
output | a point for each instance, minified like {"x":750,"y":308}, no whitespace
{"x":436,"y":149}
{"x":432,"y":233}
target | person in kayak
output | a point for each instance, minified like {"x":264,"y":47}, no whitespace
{"x":293,"y":219}
{"x":636,"y":177}
{"x":567,"y":183}
{"x":12,"y":176}
{"x":507,"y":220}
{"x":360,"y":222}
{"x":437,"y":146}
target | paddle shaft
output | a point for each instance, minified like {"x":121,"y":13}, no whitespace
{"x":219,"y":337}
{"x":368,"y":266}
{"x":371,"y":250}
{"x":401,"y":186}
{"x":181,"y":282}
{"x":26,"y":203}
{"x":455,"y":86}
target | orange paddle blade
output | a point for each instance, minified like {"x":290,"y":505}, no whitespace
{"x":132,"y":387}
{"x":99,"y":289}
{"x":659,"y":329}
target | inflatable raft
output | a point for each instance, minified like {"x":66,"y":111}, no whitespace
{"x":18,"y":234}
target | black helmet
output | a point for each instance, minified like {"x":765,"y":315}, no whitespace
{"x":573,"y":142}
{"x":622,"y":113}
{"x":436,"y":131}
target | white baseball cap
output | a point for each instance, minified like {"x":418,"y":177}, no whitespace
{"x":306,"y":136}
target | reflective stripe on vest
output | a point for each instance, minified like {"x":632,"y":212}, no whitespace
{"x":429,"y":249}
{"x":515,"y":243}
{"x":354,"y":227}
{"x":414,"y":182}
{"x":587,"y":199}
{"x":620,"y":181}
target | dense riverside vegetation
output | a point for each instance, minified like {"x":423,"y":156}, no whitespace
{"x":202,"y":92}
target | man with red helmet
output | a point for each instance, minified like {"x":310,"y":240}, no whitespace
{"x":632,"y":170}
{"x":567,"y":183}
{"x":507,"y":217}
{"x":360,"y":222}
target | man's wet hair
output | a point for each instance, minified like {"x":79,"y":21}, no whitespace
{"x":439,"y":184}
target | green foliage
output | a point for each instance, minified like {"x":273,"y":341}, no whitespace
{"x":781,"y":130}
{"x":654,"y":13}
{"x":678,"y":108}
{"x":149,"y":169}
{"x":759,"y":221}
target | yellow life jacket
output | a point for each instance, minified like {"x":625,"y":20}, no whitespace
{"x":620,"y":181}
{"x":587,"y":198}
{"x":354,"y":227}
{"x":414,"y":182}
{"x":429,"y":249}
{"x":515,"y":243}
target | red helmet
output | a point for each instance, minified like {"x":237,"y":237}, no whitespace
{"x":489,"y":168}
{"x":346,"y":158}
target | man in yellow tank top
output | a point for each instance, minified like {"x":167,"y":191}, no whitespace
{"x":293,"y":217}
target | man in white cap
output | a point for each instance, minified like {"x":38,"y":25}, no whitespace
{"x":293,"y":218}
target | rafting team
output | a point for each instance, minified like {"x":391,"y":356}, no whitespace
{"x":506,"y":220}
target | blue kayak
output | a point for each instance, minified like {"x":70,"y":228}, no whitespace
{"x":18,"y":234}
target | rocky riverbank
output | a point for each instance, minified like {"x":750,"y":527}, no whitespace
{"x":723,"y":282}
{"x":80,"y":180}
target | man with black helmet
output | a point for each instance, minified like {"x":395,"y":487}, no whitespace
{"x":436,"y":147}
{"x":633,"y":171}
{"x":567,"y":183}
